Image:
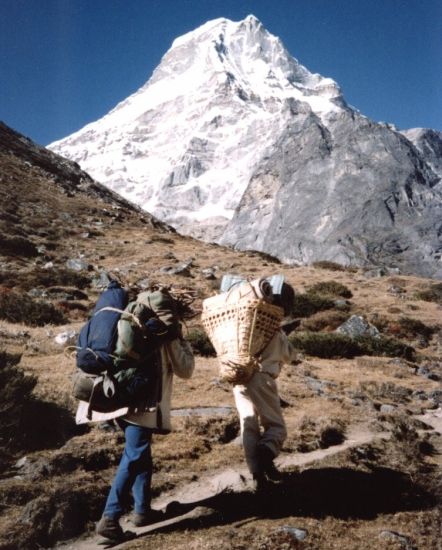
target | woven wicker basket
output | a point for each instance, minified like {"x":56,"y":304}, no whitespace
{"x":239,"y":327}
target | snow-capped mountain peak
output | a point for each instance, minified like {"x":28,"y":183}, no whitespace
{"x":184,"y":145}
{"x":233,"y":140}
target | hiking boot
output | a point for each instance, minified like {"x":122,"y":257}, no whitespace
{"x":110,"y":529}
{"x":265,"y":457}
{"x":260,"y":482}
{"x":273,"y":474}
{"x":265,"y":460}
{"x":148,"y":517}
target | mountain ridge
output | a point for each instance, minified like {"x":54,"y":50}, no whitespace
{"x":190,"y":146}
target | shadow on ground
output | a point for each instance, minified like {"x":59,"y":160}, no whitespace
{"x":341,"y":493}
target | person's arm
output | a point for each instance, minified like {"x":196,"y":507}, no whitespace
{"x":288,"y":352}
{"x":181,"y":357}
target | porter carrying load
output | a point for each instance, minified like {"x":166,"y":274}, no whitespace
{"x":240,"y":323}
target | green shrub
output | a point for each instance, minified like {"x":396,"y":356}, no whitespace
{"x":406,"y":327}
{"x":20,"y":308}
{"x":326,"y":321}
{"x":329,"y":345}
{"x":332,"y":288}
{"x":333,"y":266}
{"x":44,"y":277}
{"x":308,"y":304}
{"x":431,"y":294}
{"x":16,"y":392}
{"x":18,"y":246}
{"x":160,"y":239}
{"x":263,"y":255}
{"x":324,"y":344}
{"x":383,"y":346}
{"x":200,"y":343}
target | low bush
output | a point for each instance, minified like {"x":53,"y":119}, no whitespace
{"x":18,"y":246}
{"x":431,"y":294}
{"x":384,"y":346}
{"x":20,"y":308}
{"x":308,"y":304}
{"x":16,"y":393}
{"x":385,"y":391}
{"x":325,"y":345}
{"x":325,"y":321}
{"x":335,"y":345}
{"x":58,"y":276}
{"x":200,"y":343}
{"x":333,"y":266}
{"x":332,"y":288}
{"x":406,"y":327}
{"x":263,"y":255}
{"x":161,"y":239}
{"x":318,"y":433}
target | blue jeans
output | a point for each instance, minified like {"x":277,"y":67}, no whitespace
{"x":134,"y":472}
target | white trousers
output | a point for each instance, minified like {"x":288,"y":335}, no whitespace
{"x":258,"y":404}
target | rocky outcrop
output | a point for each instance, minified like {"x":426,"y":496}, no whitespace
{"x":429,"y":143}
{"x":353,"y":192}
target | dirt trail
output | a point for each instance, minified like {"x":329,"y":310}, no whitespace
{"x":230,"y":479}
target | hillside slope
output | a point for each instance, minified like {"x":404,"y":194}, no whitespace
{"x":360,"y":466}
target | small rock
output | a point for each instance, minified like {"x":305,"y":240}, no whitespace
{"x":180,"y":269}
{"x":21,"y":462}
{"x":315,"y":385}
{"x":67,"y":338}
{"x":298,"y":534}
{"x":143,"y":284}
{"x":77,"y":265}
{"x":381,"y":272}
{"x":404,"y":541}
{"x":377,"y":272}
{"x":423,"y":371}
{"x":396,"y":290}
{"x":35,"y":469}
{"x":102,"y":281}
{"x":48,"y":265}
{"x":421,"y":395}
{"x":436,"y":396}
{"x":37,"y":293}
{"x":387,"y":409}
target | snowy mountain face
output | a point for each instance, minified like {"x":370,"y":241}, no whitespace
{"x":233,"y":140}
{"x":184,"y":145}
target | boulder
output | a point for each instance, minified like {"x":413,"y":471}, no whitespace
{"x":357,"y":326}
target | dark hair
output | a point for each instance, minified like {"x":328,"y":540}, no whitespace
{"x":286,"y":299}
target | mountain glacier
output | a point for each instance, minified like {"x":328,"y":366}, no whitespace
{"x":233,"y":140}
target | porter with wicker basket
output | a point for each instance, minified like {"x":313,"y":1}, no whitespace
{"x":240,"y":323}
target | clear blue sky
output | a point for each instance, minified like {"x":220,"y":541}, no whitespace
{"x":64,"y":63}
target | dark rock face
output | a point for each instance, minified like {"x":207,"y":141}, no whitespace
{"x":429,"y":143}
{"x":353,"y":192}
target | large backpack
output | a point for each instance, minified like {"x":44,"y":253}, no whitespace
{"x":97,"y":338}
{"x":124,"y":371}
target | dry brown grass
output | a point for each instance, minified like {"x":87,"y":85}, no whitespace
{"x":326,"y":498}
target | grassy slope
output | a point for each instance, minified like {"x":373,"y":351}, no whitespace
{"x":343,"y":502}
